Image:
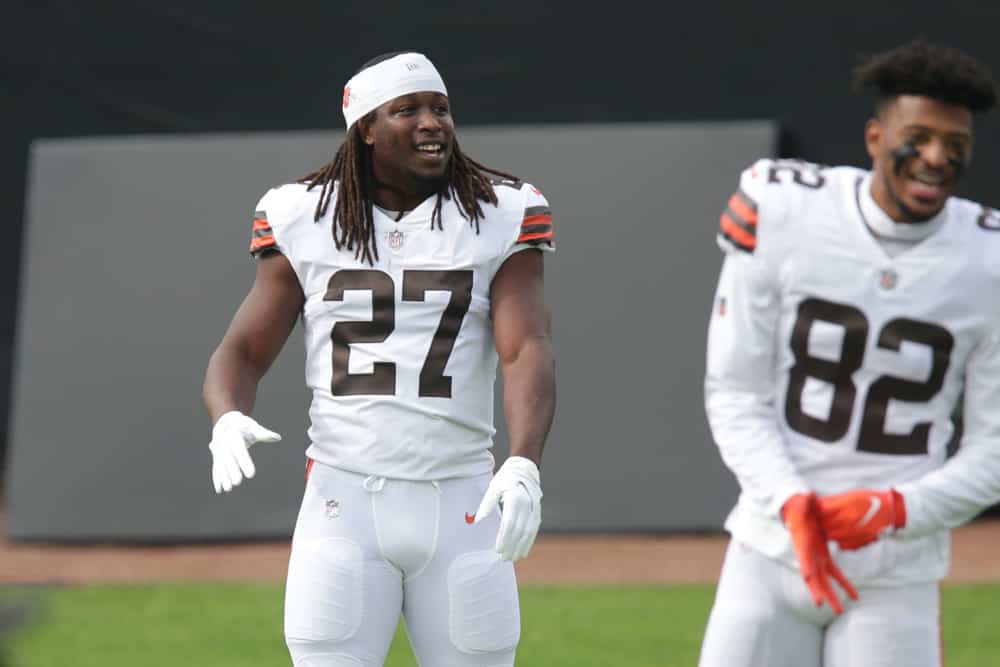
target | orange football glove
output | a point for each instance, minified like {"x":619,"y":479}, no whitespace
{"x":802,"y":517}
{"x":857,"y":518}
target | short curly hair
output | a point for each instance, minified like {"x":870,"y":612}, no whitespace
{"x":921,"y":68}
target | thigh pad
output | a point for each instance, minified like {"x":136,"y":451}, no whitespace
{"x":324,"y":593}
{"x":484,"y":615}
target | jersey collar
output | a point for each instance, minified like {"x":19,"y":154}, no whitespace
{"x":418,"y":217}
{"x":881,"y":225}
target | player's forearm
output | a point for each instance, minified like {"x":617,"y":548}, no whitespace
{"x":739,"y":385}
{"x":530,"y":397}
{"x":230,"y":382}
{"x":969,"y":482}
{"x":752,"y":447}
{"x":954,"y":493}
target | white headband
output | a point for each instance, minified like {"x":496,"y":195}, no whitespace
{"x":400,"y":75}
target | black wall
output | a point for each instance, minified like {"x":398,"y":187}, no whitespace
{"x":115,"y":67}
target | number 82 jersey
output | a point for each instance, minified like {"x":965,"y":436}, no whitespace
{"x":400,"y":355}
{"x":834,"y":365}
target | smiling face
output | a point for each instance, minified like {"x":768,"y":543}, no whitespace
{"x":412,"y":137}
{"x":919,"y":147}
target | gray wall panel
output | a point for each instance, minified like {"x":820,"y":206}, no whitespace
{"x":135,"y":261}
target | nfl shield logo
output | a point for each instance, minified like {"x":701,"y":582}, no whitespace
{"x":395,"y":239}
{"x":887,"y":279}
{"x":333,"y":508}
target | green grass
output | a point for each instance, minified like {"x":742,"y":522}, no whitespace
{"x":223,"y":625}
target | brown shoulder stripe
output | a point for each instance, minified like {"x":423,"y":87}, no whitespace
{"x":537,"y":210}
{"x":744,"y":206}
{"x":535,"y":229}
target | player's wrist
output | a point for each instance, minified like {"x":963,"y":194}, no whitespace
{"x":520,"y":471}
{"x":795,"y":504}
{"x":522,"y":464}
{"x":774,"y":505}
{"x":898,"y":509}
{"x":228,"y":419}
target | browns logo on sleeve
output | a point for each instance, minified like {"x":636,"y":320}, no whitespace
{"x":263,"y":237}
{"x":738,"y":222}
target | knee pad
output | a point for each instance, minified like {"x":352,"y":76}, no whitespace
{"x":484,"y":615}
{"x":323,"y":594}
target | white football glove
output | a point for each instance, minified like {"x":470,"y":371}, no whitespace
{"x":232,"y":436}
{"x":517,"y":490}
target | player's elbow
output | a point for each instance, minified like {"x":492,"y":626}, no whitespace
{"x":535,"y":350}
{"x":236,"y":357}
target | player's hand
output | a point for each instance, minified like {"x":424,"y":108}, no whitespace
{"x":801,"y":516}
{"x":516,"y":489}
{"x":232,"y":436}
{"x":857,"y":518}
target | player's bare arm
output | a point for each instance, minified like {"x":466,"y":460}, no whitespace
{"x":254,"y":338}
{"x":523,"y":335}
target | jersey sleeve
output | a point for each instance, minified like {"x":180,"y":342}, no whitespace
{"x":968,"y":482}
{"x":262,"y":236}
{"x":535,"y":230}
{"x":741,"y":215}
{"x":738,"y":223}
{"x":271,"y":216}
{"x":740,"y":379}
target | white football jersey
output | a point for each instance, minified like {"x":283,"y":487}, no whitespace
{"x":400,"y":356}
{"x":835,"y":366}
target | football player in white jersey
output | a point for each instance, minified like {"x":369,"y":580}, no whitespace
{"x":854,"y":310}
{"x":414,"y":270}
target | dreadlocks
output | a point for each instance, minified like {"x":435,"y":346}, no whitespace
{"x":350,"y":174}
{"x":921,"y":68}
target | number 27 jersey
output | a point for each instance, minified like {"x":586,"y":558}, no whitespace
{"x":400,"y":355}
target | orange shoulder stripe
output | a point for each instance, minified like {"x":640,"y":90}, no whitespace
{"x":261,"y":242}
{"x":736,"y":233}
{"x":538,"y":236}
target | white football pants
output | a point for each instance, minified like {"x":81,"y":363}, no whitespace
{"x":764,"y":617}
{"x":367,"y":548}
